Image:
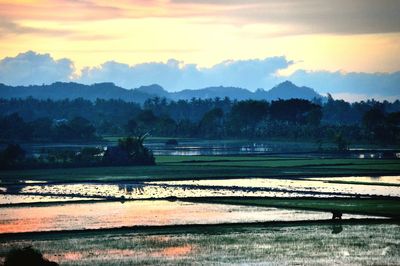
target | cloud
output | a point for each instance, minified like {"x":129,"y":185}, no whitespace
{"x":385,"y":84}
{"x":61,"y":10}
{"x":31,"y":68}
{"x":175,"y":75}
{"x":11,"y":27}
{"x":301,"y":16}
{"x":7,"y":26}
{"x":354,"y":97}
{"x":313,"y":16}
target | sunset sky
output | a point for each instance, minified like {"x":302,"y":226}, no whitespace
{"x":332,"y":37}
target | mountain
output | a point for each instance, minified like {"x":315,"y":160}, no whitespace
{"x":287,"y":90}
{"x":153,"y":90}
{"x":71,"y":90}
{"x":213,"y":92}
{"x":284,"y":90}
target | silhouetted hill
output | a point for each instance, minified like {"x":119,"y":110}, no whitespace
{"x":284,"y":90}
{"x":71,"y":90}
{"x":287,"y":90}
{"x":154,"y":90}
{"x":213,"y":92}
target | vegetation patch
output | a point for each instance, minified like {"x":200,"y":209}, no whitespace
{"x":376,"y":207}
{"x":211,"y":167}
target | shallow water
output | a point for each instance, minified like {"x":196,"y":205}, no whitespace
{"x":295,"y":185}
{"x":189,"y":147}
{"x":371,"y":179}
{"x":16,"y":199}
{"x":137,"y":213}
{"x":261,"y":187}
{"x":148,"y":190}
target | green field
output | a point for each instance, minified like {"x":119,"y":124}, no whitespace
{"x":198,"y":167}
{"x":378,"y":207}
{"x":350,"y":241}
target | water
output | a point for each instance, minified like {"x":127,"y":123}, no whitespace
{"x":139,"y":213}
{"x":262,"y":187}
{"x":304,"y":186}
{"x":395,"y":180}
{"x":189,"y":147}
{"x":151,"y":190}
{"x":17,"y":199}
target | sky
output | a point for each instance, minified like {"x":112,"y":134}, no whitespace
{"x":348,"y":48}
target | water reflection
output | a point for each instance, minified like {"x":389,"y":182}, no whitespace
{"x":150,"y":190}
{"x":173,"y":251}
{"x":139,"y":213}
{"x":129,"y":189}
{"x":316,"y":186}
{"x":231,"y":147}
{"x":263,"y":187}
{"x":6,"y":199}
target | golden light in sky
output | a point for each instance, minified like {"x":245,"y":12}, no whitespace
{"x":316,"y":34}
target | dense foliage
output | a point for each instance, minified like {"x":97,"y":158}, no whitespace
{"x":129,"y":151}
{"x":82,"y":120}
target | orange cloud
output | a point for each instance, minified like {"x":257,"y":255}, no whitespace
{"x":57,"y":10}
{"x":319,"y":33}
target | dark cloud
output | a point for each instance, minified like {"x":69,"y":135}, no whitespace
{"x":315,"y":16}
{"x":7,"y":26}
{"x":10,"y":27}
{"x":65,"y":10}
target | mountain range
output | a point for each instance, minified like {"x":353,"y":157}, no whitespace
{"x":71,"y":90}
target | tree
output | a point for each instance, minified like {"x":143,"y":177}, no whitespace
{"x":373,"y":118}
{"x":13,"y":127}
{"x":211,"y":125}
{"x":374,"y":123}
{"x":130,"y":151}
{"x":78,"y":128}
{"x":245,"y":115}
{"x":131,"y":127}
{"x":393,"y":127}
{"x":337,"y":112}
{"x":11,"y":156}
{"x":341,"y":143}
{"x":296,"y":111}
{"x":165,"y":126}
{"x":89,"y":156}
{"x":42,"y":128}
{"x":314,"y":116}
{"x":146,"y":121}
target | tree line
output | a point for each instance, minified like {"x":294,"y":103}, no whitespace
{"x":128,"y":151}
{"x":81,"y":120}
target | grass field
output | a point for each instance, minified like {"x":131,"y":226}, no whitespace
{"x":350,"y":242}
{"x":378,"y":207}
{"x":305,"y":244}
{"x":198,"y":167}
